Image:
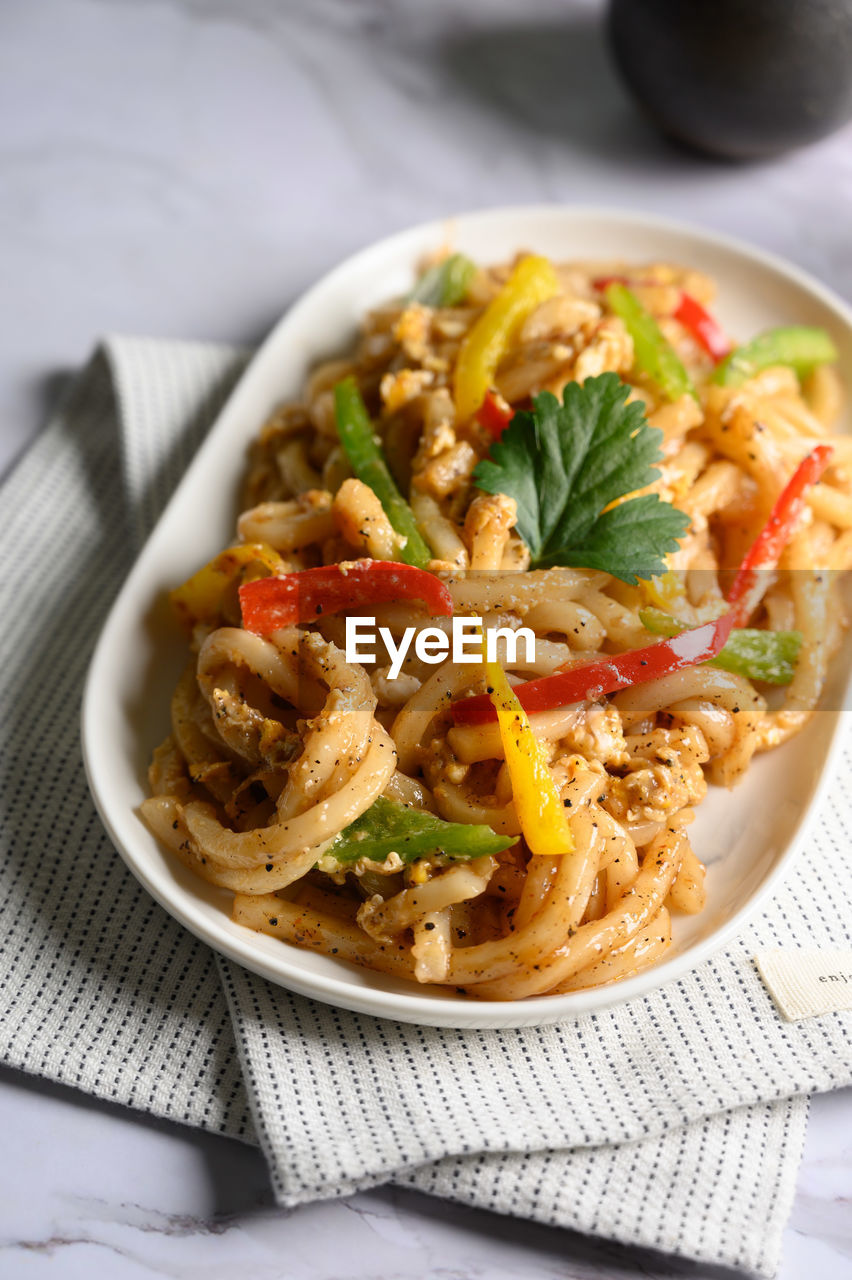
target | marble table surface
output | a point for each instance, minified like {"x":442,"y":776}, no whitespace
{"x":184,"y":168}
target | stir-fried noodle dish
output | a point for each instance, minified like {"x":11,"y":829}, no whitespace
{"x":536,"y":561}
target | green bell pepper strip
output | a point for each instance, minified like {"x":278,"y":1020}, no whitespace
{"x":446,"y":284}
{"x":389,"y":827}
{"x":801,"y":347}
{"x":653,"y":354}
{"x":368,"y":463}
{"x":769,"y":656}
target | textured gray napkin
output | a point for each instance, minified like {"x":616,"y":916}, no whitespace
{"x":674,"y":1122}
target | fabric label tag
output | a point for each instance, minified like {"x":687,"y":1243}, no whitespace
{"x":805,"y":983}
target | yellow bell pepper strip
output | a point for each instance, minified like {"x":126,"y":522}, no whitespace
{"x":370,"y":466}
{"x":540,"y":811}
{"x":446,"y":284}
{"x":199,"y":599}
{"x":802,"y":347}
{"x":533,"y":281}
{"x":652,"y":353}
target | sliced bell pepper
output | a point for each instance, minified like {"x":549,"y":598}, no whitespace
{"x":653,"y":355}
{"x":766,"y":549}
{"x":769,"y":656}
{"x":704,"y":328}
{"x":533,"y":281}
{"x":540,"y":811}
{"x":690,"y":313}
{"x":603,"y":282}
{"x":494,"y":414}
{"x":446,"y":284}
{"x":369,"y":465}
{"x":199,"y":599}
{"x":271,"y":603}
{"x":607,"y":675}
{"x":801,"y":347}
{"x":390,"y":827}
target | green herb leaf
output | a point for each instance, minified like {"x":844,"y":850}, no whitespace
{"x":565,"y":463}
{"x":389,"y":827}
{"x":769,"y":656}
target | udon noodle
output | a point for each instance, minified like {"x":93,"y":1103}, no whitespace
{"x":278,"y":743}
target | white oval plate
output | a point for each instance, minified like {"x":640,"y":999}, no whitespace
{"x":748,"y":837}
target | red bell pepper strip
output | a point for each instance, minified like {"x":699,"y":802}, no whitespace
{"x":601,"y":282}
{"x":699,"y":644}
{"x":270,"y":603}
{"x":494,"y":414}
{"x":766,"y":549}
{"x":619,"y":671}
{"x":703,"y":327}
{"x":707,"y":331}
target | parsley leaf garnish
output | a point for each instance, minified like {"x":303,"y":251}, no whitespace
{"x":565,"y":463}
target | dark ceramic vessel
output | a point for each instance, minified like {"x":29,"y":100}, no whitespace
{"x":738,"y":78}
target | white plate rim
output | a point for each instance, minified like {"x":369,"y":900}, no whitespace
{"x":419,"y":1008}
